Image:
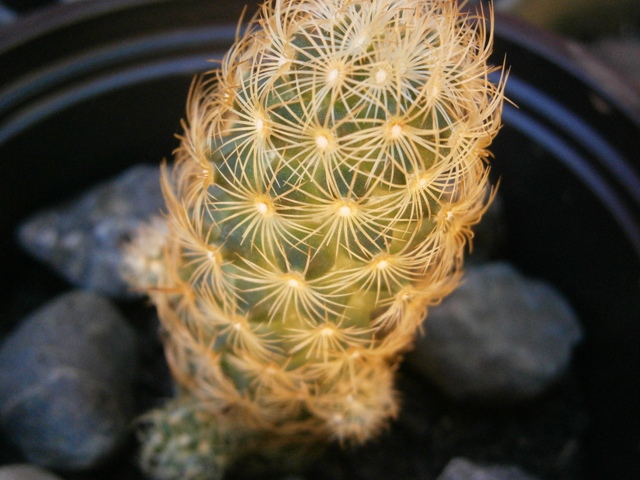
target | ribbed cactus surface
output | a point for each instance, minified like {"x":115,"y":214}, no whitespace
{"x":328,"y":177}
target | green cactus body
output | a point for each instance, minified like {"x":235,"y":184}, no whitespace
{"x":321,"y":200}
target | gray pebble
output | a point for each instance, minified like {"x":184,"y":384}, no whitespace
{"x":66,"y":376}
{"x":499,"y":336}
{"x":23,"y":471}
{"x":462,"y":469}
{"x":82,"y":240}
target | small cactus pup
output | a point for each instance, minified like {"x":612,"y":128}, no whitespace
{"x":322,"y":198}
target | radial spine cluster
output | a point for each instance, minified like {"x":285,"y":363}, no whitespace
{"x":324,"y":192}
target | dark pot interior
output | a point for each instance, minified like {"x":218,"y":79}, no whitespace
{"x":90,"y":88}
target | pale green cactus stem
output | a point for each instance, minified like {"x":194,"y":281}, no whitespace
{"x":181,"y":442}
{"x":326,"y":186}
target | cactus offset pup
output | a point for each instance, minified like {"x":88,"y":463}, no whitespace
{"x":324,"y":192}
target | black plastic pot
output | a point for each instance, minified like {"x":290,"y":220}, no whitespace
{"x":87,"y":89}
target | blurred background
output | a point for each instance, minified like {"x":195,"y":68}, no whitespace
{"x":609,"y":28}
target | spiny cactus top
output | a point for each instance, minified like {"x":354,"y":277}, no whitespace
{"x":323,"y":194}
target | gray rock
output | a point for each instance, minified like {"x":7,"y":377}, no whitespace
{"x":23,"y":471}
{"x":499,"y":336}
{"x":82,"y":240}
{"x":66,"y":376}
{"x":462,"y":469}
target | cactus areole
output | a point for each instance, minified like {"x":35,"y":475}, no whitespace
{"x":322,"y":198}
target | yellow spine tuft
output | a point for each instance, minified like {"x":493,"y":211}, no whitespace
{"x":330,"y":174}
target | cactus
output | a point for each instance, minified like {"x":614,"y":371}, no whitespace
{"x":327,"y":181}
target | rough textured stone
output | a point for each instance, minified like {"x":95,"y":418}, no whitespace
{"x":82,"y":240}
{"x":498,"y":336}
{"x":462,"y":469}
{"x":25,"y":472}
{"x":66,"y":376}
